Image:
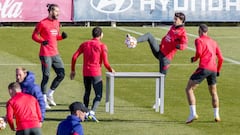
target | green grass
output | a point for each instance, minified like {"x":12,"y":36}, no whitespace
{"x":133,"y":97}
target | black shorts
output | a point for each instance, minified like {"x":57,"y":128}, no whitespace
{"x":200,"y":74}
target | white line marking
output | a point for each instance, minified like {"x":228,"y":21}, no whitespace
{"x":190,"y":48}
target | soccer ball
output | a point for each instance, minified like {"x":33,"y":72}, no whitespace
{"x":130,"y":41}
{"x":3,"y":124}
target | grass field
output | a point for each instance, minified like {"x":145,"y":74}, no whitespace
{"x":133,"y":97}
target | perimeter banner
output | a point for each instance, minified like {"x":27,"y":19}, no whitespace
{"x":32,"y":10}
{"x":156,"y":10}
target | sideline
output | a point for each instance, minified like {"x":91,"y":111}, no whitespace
{"x":190,"y":48}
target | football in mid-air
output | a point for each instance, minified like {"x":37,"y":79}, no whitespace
{"x":130,"y":41}
{"x":3,"y":124}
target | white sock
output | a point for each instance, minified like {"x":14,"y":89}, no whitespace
{"x":50,"y":92}
{"x":45,"y":98}
{"x":193,"y":110}
{"x":216,"y":112}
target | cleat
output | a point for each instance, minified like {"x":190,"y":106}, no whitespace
{"x":47,"y":106}
{"x":90,"y":116}
{"x":51,"y":100}
{"x":191,"y":119}
{"x":217,"y":119}
{"x":93,"y":118}
{"x":128,"y":36}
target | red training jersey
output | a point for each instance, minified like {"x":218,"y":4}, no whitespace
{"x":175,"y":36}
{"x":47,"y":30}
{"x":94,"y":53}
{"x":25,"y":109}
{"x":207,"y":51}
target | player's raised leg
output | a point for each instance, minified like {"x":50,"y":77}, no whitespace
{"x":151,"y":41}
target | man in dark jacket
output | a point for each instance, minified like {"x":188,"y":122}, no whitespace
{"x":28,"y":86}
{"x":71,"y":125}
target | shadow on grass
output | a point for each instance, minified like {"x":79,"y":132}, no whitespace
{"x":3,"y":104}
{"x":63,"y":105}
{"x":156,"y":121}
{"x":140,"y":121}
{"x":58,"y":110}
{"x":126,"y":108}
{"x":204,"y":122}
{"x":137,"y":121}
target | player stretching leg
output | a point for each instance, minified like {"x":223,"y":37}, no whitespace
{"x":175,"y":39}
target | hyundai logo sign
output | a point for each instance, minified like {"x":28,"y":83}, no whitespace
{"x":111,"y":6}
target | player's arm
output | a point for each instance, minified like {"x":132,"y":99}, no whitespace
{"x":10,"y":116}
{"x":220,"y":59}
{"x":38,"y":110}
{"x":105,"y":59}
{"x":36,"y":34}
{"x":61,"y":36}
{"x":182,"y":41}
{"x":74,"y":59}
{"x":198,"y":50}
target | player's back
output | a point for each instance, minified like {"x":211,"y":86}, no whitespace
{"x":207,"y":47}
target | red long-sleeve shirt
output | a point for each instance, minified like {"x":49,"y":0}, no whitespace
{"x":208,"y":52}
{"x":175,"y":36}
{"x":47,"y":30}
{"x":25,"y":109}
{"x":94,"y":53}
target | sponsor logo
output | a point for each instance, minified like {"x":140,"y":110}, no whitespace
{"x":111,"y":6}
{"x":10,"y":9}
{"x":54,"y":32}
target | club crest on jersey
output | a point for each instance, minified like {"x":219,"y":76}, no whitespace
{"x":168,"y":38}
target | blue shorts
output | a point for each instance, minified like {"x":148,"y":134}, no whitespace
{"x":200,"y":74}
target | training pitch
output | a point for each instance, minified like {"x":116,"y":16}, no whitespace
{"x":133,"y":114}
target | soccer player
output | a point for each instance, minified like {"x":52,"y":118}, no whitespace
{"x":72,"y":124}
{"x":207,"y":51}
{"x":175,"y":39}
{"x":94,"y":53}
{"x":24,"y":109}
{"x":26,"y":79}
{"x":47,"y":33}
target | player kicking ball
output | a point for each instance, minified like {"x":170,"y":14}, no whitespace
{"x":174,"y":40}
